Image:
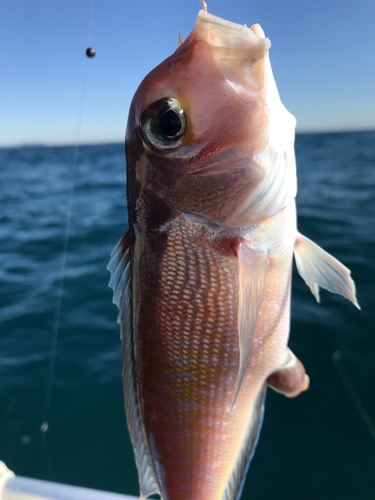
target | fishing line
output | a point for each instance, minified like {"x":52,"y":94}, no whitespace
{"x":55,"y":330}
{"x":336,"y":358}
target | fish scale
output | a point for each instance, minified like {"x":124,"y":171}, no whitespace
{"x":195,"y":360}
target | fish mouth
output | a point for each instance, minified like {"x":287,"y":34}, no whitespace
{"x":228,"y":36}
{"x":228,"y":161}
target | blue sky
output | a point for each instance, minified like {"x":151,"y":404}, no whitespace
{"x":323,"y":57}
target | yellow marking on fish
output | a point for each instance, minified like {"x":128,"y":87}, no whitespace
{"x":179,"y":38}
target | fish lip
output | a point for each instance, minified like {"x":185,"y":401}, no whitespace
{"x":214,"y":164}
{"x":225,"y":35}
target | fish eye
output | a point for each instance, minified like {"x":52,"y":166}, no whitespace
{"x":163,"y":124}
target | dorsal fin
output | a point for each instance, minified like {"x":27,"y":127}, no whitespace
{"x":319,"y":269}
{"x":120,"y":267}
{"x":253,"y":270}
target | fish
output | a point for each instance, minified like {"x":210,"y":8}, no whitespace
{"x":202,"y":278}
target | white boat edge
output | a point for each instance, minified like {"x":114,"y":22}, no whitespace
{"x":14,"y":487}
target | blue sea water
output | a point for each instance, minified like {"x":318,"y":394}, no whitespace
{"x":61,"y":404}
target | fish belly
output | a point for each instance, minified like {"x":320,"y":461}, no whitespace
{"x":186,"y":355}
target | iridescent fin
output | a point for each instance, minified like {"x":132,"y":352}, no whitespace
{"x":291,"y":378}
{"x":319,"y":269}
{"x":233,"y":487}
{"x":253,"y":269}
{"x":119,"y":266}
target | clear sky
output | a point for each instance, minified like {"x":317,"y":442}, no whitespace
{"x":323,"y":57}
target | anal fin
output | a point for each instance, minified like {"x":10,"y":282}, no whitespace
{"x":319,"y":269}
{"x":253,"y":270}
{"x":291,"y":379}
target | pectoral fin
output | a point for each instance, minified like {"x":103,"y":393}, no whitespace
{"x":319,"y":269}
{"x":253,"y":269}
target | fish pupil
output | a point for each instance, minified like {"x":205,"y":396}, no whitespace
{"x":170,"y":123}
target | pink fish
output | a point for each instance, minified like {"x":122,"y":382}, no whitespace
{"x":202,"y":279}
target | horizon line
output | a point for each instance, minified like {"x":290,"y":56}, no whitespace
{"x":17,"y":145}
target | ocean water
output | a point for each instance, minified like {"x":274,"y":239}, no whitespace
{"x":61,"y":404}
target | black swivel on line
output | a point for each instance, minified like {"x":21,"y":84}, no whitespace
{"x":90,"y":52}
